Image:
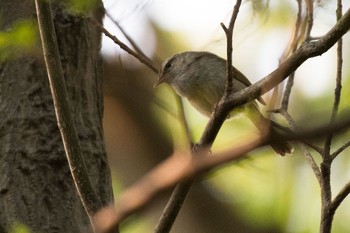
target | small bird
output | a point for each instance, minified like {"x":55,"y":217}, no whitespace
{"x":201,"y":78}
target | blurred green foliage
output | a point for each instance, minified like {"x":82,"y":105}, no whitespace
{"x":81,"y":6}
{"x":19,"y":228}
{"x":19,"y":40}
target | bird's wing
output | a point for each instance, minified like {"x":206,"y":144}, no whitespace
{"x":243,"y":79}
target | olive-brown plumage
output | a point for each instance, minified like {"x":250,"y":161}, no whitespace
{"x":201,"y":78}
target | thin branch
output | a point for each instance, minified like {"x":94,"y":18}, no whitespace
{"x":173,"y":206}
{"x":294,"y":46}
{"x":184,"y":122}
{"x":287,"y":92}
{"x":326,"y":198}
{"x":310,"y":160}
{"x":337,"y":93}
{"x":328,"y":207}
{"x":340,"y":149}
{"x":338,"y":88}
{"x":318,"y":132}
{"x":293,"y":126}
{"x":132,"y":42}
{"x":340,"y":197}
{"x":229,"y":38}
{"x":65,"y":121}
{"x":143,"y":59}
{"x":179,"y":194}
{"x":316,"y":148}
{"x":310,"y":18}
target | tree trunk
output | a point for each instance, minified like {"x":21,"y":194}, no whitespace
{"x":36,"y":187}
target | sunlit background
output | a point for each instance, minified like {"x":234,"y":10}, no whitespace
{"x":264,"y":193}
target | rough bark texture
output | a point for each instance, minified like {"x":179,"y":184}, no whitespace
{"x":36,"y":188}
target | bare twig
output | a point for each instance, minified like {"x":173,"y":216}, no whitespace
{"x":143,"y":59}
{"x":294,"y":45}
{"x":229,"y":38}
{"x":316,"y":148}
{"x":132,"y":42}
{"x":337,"y":91}
{"x":310,"y":18}
{"x":179,"y":194}
{"x":340,"y":149}
{"x":65,"y":121}
{"x":310,"y":160}
{"x":327,"y":207}
{"x":336,"y":127}
{"x":340,"y":198}
{"x":171,"y":210}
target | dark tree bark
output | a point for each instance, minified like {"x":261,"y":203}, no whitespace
{"x":36,"y":187}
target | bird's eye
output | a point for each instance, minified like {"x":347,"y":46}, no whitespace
{"x":167,"y":65}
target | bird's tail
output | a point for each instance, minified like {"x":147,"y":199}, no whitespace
{"x":266,"y":126}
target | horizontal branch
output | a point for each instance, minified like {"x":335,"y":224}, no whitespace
{"x":337,"y":126}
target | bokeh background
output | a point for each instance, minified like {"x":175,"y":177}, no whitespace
{"x":264,"y":193}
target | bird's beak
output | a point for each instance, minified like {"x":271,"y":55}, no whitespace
{"x":160,"y":81}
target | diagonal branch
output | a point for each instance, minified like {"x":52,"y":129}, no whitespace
{"x":229,"y":34}
{"x":340,"y":198}
{"x":293,"y":46}
{"x":143,"y":59}
{"x":306,"y":51}
{"x":340,"y":149}
{"x":132,"y":42}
